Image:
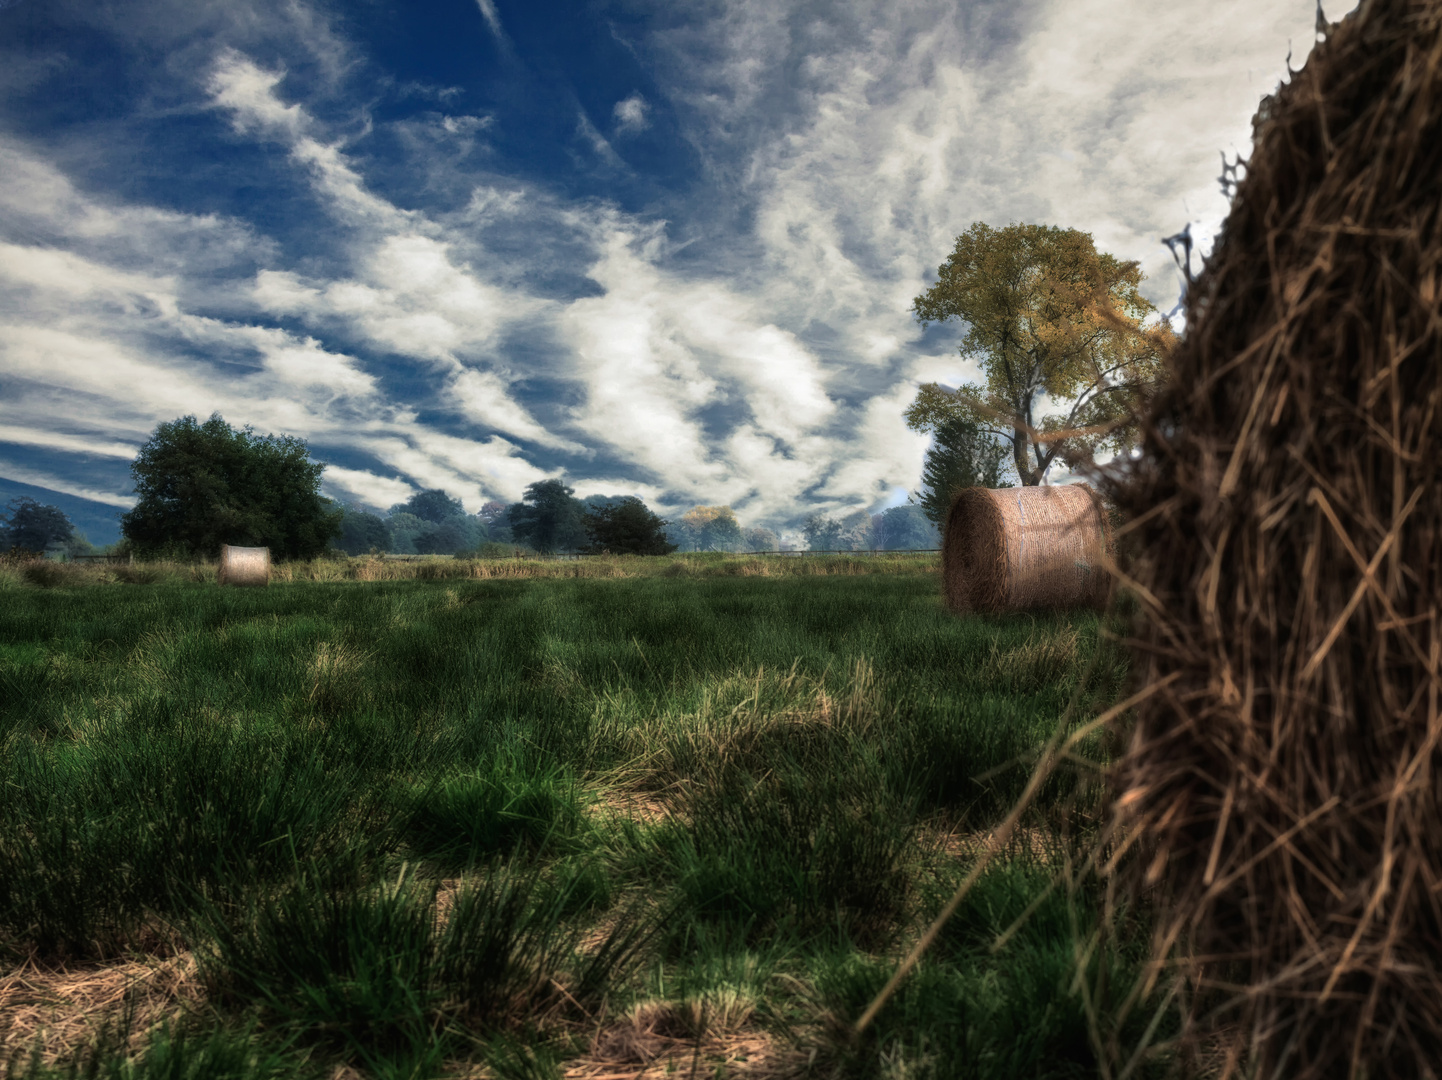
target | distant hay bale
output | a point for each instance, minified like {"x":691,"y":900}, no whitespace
{"x":1283,"y":780}
{"x":243,"y":566}
{"x":1010,"y":549}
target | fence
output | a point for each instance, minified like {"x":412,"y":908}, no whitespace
{"x":566,"y":555}
{"x":851,"y":551}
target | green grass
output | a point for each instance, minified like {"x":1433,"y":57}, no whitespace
{"x":280,"y":780}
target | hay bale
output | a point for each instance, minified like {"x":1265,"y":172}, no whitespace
{"x":1285,"y":786}
{"x":243,"y":566}
{"x":1010,"y":549}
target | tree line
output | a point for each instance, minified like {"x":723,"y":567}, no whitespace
{"x":550,"y":518}
{"x":201,"y":485}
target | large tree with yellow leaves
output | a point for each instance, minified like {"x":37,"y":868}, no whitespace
{"x":1048,"y":315}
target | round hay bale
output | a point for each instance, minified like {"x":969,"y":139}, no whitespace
{"x":1009,"y":549}
{"x":1283,"y":779}
{"x":243,"y":566}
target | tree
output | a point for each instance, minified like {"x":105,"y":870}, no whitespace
{"x":495,"y":517}
{"x":447,"y":538}
{"x":78,"y":544}
{"x":855,"y":532}
{"x":432,"y":505}
{"x":822,"y":533}
{"x":550,"y":518}
{"x":593,"y":501}
{"x":1047,"y":315}
{"x":405,"y":528}
{"x":713,"y":528}
{"x":204,"y":485}
{"x":33,"y":526}
{"x":626,"y":527}
{"x":962,"y":455}
{"x":904,"y":528}
{"x":759,"y":539}
{"x":361,"y":532}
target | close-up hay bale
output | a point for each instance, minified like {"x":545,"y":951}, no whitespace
{"x":243,"y":566}
{"x":1011,"y":549}
{"x":1282,"y":782}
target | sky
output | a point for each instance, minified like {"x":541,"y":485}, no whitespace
{"x":650,"y":248}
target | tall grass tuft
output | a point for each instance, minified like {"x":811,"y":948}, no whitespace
{"x":352,"y":969}
{"x":512,"y":801}
{"x":373,"y":974}
{"x":813,"y":847}
{"x":101,"y":837}
{"x":1009,"y":991}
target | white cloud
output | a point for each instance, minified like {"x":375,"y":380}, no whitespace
{"x":485,"y":396}
{"x":41,"y":204}
{"x":43,"y":479}
{"x":49,"y":271}
{"x":408,"y":295}
{"x":380,"y":492}
{"x":471,"y":470}
{"x":587,"y":133}
{"x":465,"y":125}
{"x":115,"y":348}
{"x":632,"y":114}
{"x":492,"y":17}
{"x":62,"y":440}
{"x":248,"y":92}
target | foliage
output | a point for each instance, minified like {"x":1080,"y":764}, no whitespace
{"x":709,"y":528}
{"x":404,"y":529}
{"x":204,"y":485}
{"x":550,"y":518}
{"x":449,"y":537}
{"x":591,"y":502}
{"x":494,"y":516}
{"x":904,"y":528}
{"x":79,"y":544}
{"x":822,"y":533}
{"x":1045,"y":313}
{"x":432,"y":505}
{"x":33,"y":526}
{"x":759,"y":539}
{"x":361,"y":532}
{"x":962,"y":455}
{"x":626,"y":527}
{"x":431,"y":522}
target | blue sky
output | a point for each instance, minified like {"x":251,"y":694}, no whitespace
{"x":654,"y":248}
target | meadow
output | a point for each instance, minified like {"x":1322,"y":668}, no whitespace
{"x":613,"y":818}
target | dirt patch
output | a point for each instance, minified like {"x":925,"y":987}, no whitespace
{"x":640,"y":807}
{"x":658,"y":1040}
{"x":1039,"y":844}
{"x":60,"y":1009}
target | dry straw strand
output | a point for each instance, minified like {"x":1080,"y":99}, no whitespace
{"x":1283,"y":794}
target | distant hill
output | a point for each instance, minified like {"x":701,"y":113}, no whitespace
{"x":99,"y":521}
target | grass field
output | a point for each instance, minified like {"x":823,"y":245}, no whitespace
{"x":606,"y":819}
